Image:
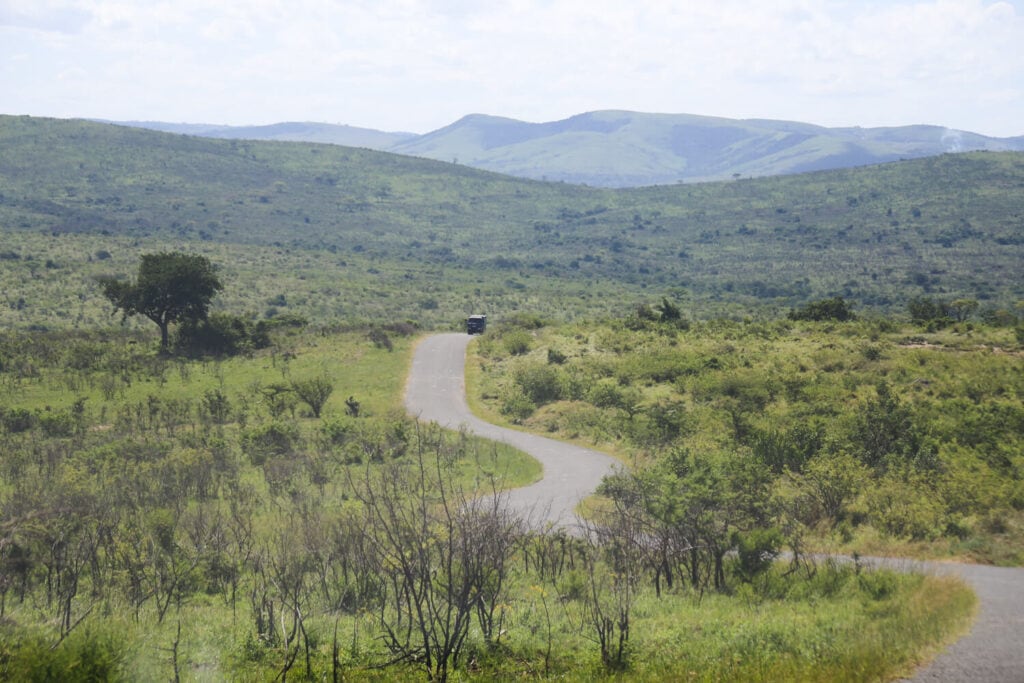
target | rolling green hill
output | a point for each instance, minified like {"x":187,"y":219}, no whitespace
{"x":633,"y":149}
{"x":630,"y":149}
{"x":343,"y":232}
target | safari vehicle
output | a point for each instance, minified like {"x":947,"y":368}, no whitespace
{"x":476,"y":324}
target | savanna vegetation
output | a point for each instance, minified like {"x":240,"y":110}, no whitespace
{"x":245,"y":498}
{"x":224,"y":516}
{"x":867,"y":435}
{"x":274,"y":515}
{"x":355,"y":234}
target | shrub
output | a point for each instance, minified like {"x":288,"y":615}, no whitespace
{"x":292,"y":320}
{"x":338,"y":432}
{"x":274,"y":439}
{"x":830,"y":483}
{"x":85,"y":655}
{"x":314,"y":392}
{"x":540,"y":383}
{"x":57,"y":424}
{"x":925,"y":310}
{"x":17,"y":420}
{"x":380,"y":339}
{"x":826,"y":309}
{"x":556,"y":357}
{"x":222,"y":334}
{"x":516,"y":405}
{"x":517,"y":342}
{"x":756,"y":551}
{"x":906,"y":507}
{"x":606,"y":395}
{"x":216,"y":405}
{"x":792,"y":449}
{"x":663,"y":422}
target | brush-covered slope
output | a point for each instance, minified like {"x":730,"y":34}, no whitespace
{"x":436,"y":239}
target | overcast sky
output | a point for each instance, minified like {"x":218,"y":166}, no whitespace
{"x":417,"y":65}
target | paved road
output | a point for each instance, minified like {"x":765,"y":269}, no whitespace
{"x":436,"y":392}
{"x":993,"y":652}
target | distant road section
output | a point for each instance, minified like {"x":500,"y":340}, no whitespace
{"x":993,"y":652}
{"x":436,"y":392}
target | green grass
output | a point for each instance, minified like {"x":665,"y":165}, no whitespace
{"x":842,"y":628}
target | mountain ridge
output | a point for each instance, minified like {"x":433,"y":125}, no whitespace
{"x":621,"y":148}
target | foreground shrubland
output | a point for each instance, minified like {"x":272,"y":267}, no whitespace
{"x":276,"y":516}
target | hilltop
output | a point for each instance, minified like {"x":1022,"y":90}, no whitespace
{"x":632,"y":149}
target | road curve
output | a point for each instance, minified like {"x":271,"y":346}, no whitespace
{"x":436,"y":392}
{"x":993,"y":652}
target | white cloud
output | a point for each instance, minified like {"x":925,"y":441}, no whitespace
{"x":61,"y":17}
{"x":419,"y":64}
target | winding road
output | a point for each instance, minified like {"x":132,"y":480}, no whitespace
{"x":993,"y":652}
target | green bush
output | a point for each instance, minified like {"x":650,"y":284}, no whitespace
{"x":935,"y":314}
{"x":17,"y":420}
{"x":87,"y":655}
{"x":57,"y":424}
{"x":516,"y":405}
{"x":906,"y":507}
{"x":517,"y":342}
{"x":756,"y":551}
{"x":540,"y":383}
{"x":556,"y":357}
{"x":222,"y":334}
{"x":270,"y":440}
{"x":826,"y":309}
{"x":606,"y":394}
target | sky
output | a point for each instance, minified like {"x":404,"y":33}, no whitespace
{"x":418,"y":65}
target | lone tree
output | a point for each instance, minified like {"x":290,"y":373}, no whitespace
{"x":314,"y":392}
{"x":170,"y":287}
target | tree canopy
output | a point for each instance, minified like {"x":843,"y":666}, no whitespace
{"x":170,"y":287}
{"x":826,"y":309}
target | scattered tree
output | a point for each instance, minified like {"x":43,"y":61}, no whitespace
{"x":170,"y":287}
{"x":962,"y":309}
{"x":923,"y":310}
{"x":314,"y":392}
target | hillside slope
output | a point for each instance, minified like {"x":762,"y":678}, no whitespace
{"x":624,"y":149}
{"x":631,"y":149}
{"x":430,"y":236}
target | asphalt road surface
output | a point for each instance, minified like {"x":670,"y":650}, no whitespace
{"x":993,"y":651}
{"x":436,"y":392}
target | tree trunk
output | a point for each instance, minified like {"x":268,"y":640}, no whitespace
{"x":164,"y":343}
